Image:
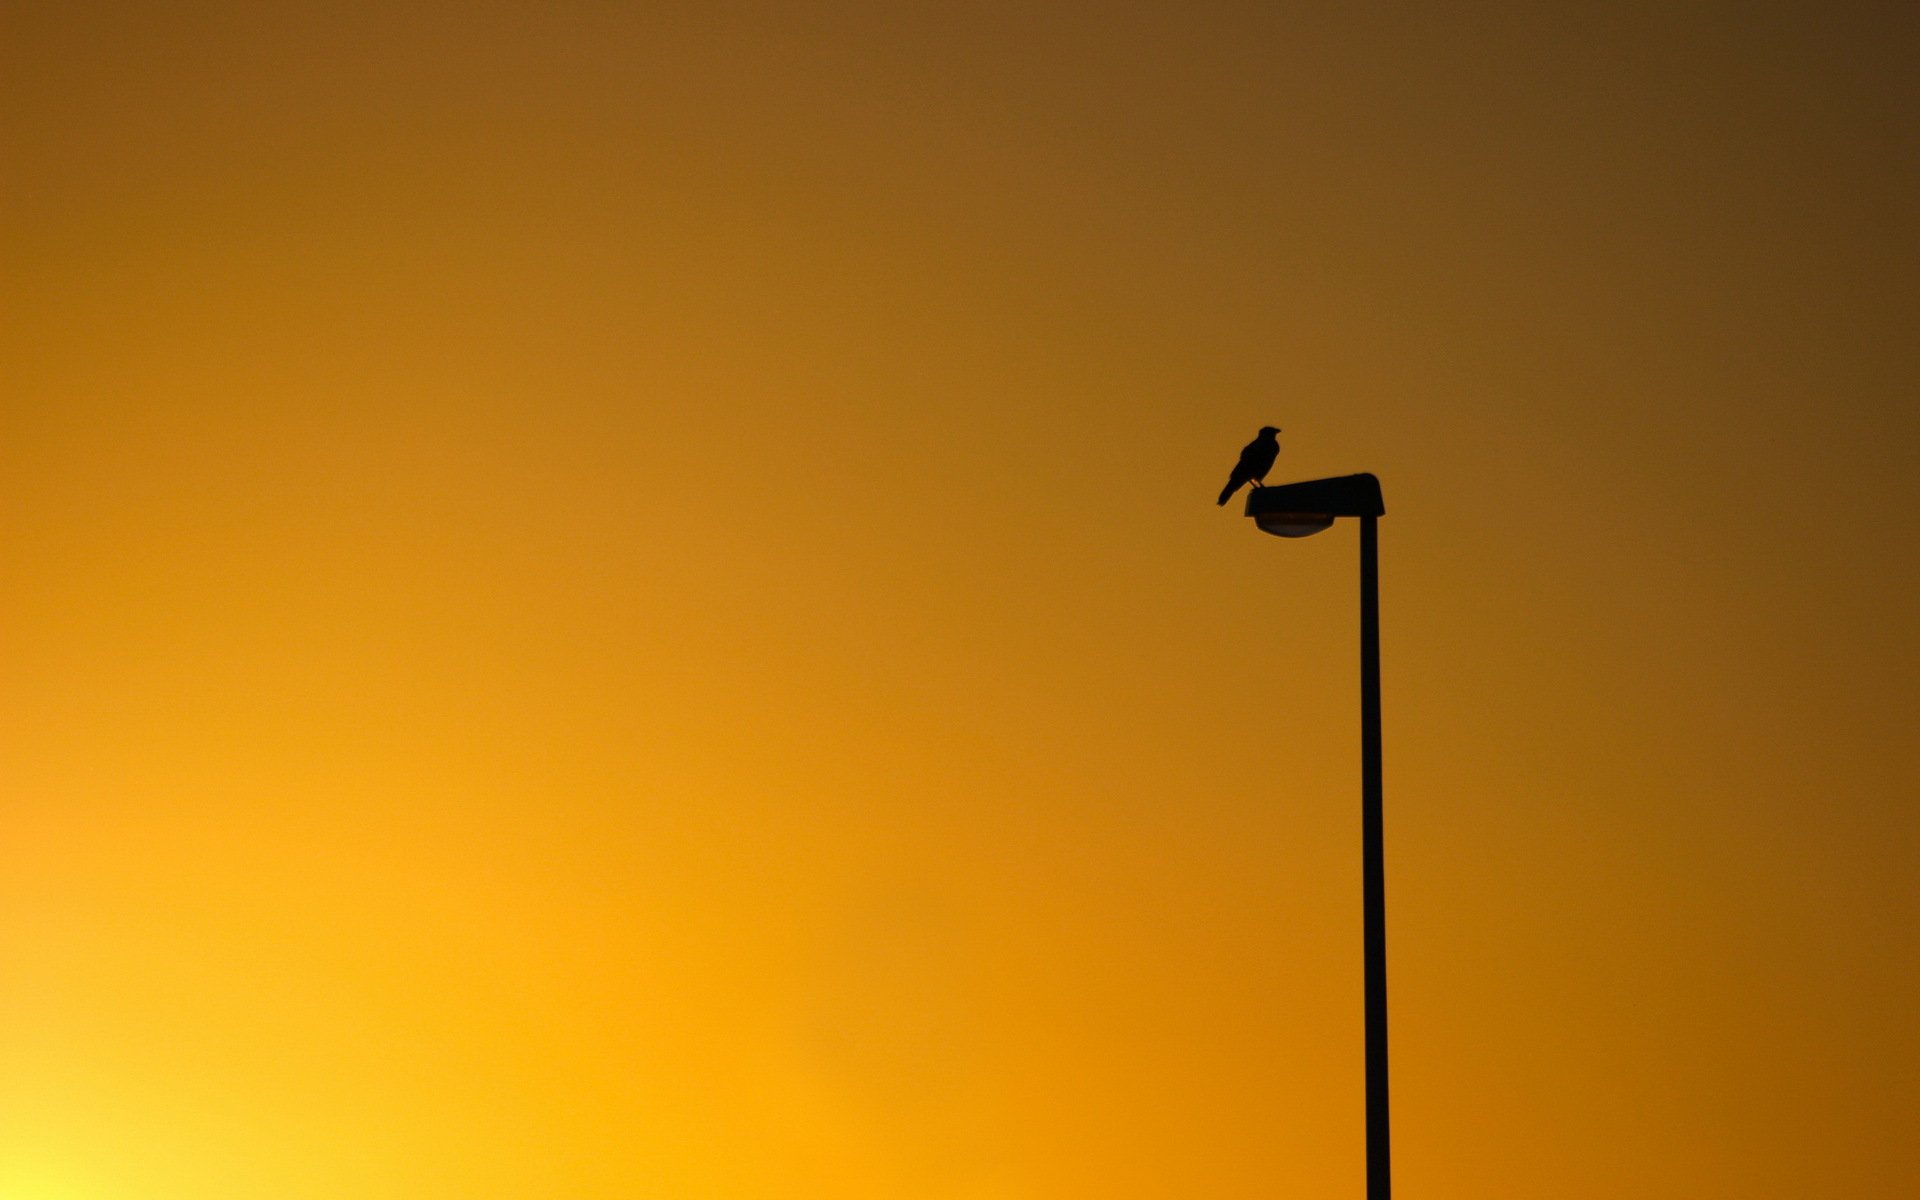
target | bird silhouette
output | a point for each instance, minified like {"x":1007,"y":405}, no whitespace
{"x":1255,"y":461}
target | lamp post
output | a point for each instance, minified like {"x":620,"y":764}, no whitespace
{"x":1300,"y":510}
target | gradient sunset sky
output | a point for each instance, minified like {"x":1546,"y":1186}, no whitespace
{"x":624,"y":600}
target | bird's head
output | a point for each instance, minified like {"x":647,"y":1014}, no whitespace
{"x":1268,"y":431}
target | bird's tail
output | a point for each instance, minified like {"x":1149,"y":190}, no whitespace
{"x":1226,"y":493}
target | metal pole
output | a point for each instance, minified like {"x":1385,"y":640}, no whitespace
{"x":1372,"y":869}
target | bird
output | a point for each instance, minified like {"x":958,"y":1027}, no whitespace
{"x":1255,"y":461}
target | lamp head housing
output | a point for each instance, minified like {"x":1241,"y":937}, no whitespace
{"x":1303,"y":509}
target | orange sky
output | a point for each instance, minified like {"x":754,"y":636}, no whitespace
{"x":625,"y":600}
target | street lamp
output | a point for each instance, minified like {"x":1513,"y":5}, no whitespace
{"x":1300,"y":510}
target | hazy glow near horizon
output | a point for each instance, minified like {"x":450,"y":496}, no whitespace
{"x":626,"y":600}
